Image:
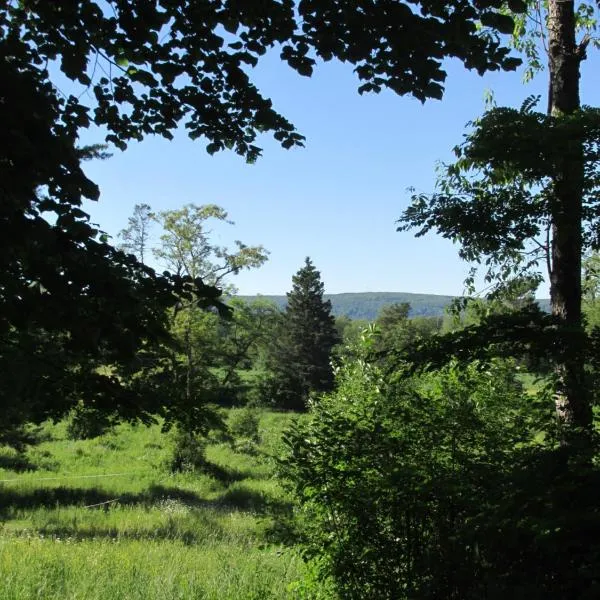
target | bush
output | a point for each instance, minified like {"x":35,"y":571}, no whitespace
{"x":258,"y":388}
{"x":87,"y":423}
{"x":244,"y":423}
{"x":394,"y":474}
{"x":189,"y":452}
{"x":243,"y":426}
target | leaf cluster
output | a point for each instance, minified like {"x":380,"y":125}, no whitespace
{"x":497,"y":199}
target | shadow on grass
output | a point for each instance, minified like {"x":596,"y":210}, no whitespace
{"x":221,"y":474}
{"x":238,"y":499}
{"x":187,"y":517}
{"x":13,"y":500}
{"x":181,"y":530}
{"x":249,"y":500}
{"x":17,"y":463}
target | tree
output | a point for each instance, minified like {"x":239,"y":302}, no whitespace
{"x":301,"y":355}
{"x":186,"y":249}
{"x":523,"y":194}
{"x":349,"y":332}
{"x":244,"y":338}
{"x":135,"y":236}
{"x":392,"y":322}
{"x":140,"y":68}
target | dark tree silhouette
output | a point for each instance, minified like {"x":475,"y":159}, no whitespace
{"x":301,"y":355}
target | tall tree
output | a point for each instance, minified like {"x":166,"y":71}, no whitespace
{"x":135,"y":237}
{"x":523,"y":196}
{"x":301,"y":356}
{"x":566,"y":208}
{"x":186,"y":249}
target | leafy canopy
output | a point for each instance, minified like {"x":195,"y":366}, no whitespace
{"x":69,"y":301}
{"x":496,"y":199}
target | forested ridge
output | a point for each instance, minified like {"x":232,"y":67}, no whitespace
{"x":366,"y":305}
{"x":162,"y":437}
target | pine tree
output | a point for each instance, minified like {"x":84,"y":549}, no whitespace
{"x":135,"y":237}
{"x":301,"y":356}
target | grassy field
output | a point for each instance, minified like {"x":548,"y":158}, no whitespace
{"x":105,"y":519}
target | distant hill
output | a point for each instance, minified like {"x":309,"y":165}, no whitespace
{"x":366,"y":305}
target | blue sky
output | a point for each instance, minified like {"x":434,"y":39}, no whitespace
{"x":335,"y":200}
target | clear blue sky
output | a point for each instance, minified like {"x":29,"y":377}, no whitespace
{"x":335,"y":200}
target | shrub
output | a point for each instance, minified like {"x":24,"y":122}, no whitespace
{"x":189,"y":452}
{"x":243,"y":426}
{"x":393,"y":473}
{"x":86,"y":423}
{"x":244,"y":423}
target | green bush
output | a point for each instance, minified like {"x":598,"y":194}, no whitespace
{"x":86,"y":423}
{"x":243,"y":426}
{"x":399,"y":476}
{"x":189,"y":452}
{"x":244,"y":423}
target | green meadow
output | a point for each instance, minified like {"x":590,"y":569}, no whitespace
{"x":106,"y":519}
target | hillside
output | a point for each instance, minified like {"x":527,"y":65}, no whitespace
{"x":366,"y":305}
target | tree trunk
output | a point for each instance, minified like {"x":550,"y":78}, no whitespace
{"x":572,"y":403}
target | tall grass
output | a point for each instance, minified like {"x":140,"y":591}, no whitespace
{"x":104,"y":518}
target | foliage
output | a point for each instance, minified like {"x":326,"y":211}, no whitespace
{"x":242,"y":345}
{"x":169,"y":64}
{"x":187,"y":250}
{"x":135,"y":237}
{"x":520,"y":199}
{"x":300,"y":355}
{"x":591,"y":289}
{"x":496,"y":198}
{"x":409,"y":487}
{"x":395,"y":332}
{"x":243,"y":425}
{"x":185,"y":246}
{"x":189,"y":451}
{"x":145,"y":68}
{"x":70,"y":302}
{"x":530,"y":36}
{"x":392,"y":324}
{"x":85,"y":423}
{"x":392,"y":315}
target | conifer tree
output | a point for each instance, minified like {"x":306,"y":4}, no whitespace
{"x":301,"y":356}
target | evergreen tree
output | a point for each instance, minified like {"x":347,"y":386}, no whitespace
{"x":135,"y":237}
{"x":301,"y":356}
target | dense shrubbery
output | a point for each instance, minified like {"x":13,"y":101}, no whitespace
{"x":85,"y":422}
{"x":444,"y":486}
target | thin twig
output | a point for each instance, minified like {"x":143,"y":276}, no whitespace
{"x":101,"y":503}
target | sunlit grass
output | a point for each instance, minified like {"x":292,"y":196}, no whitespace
{"x":105,"y":518}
